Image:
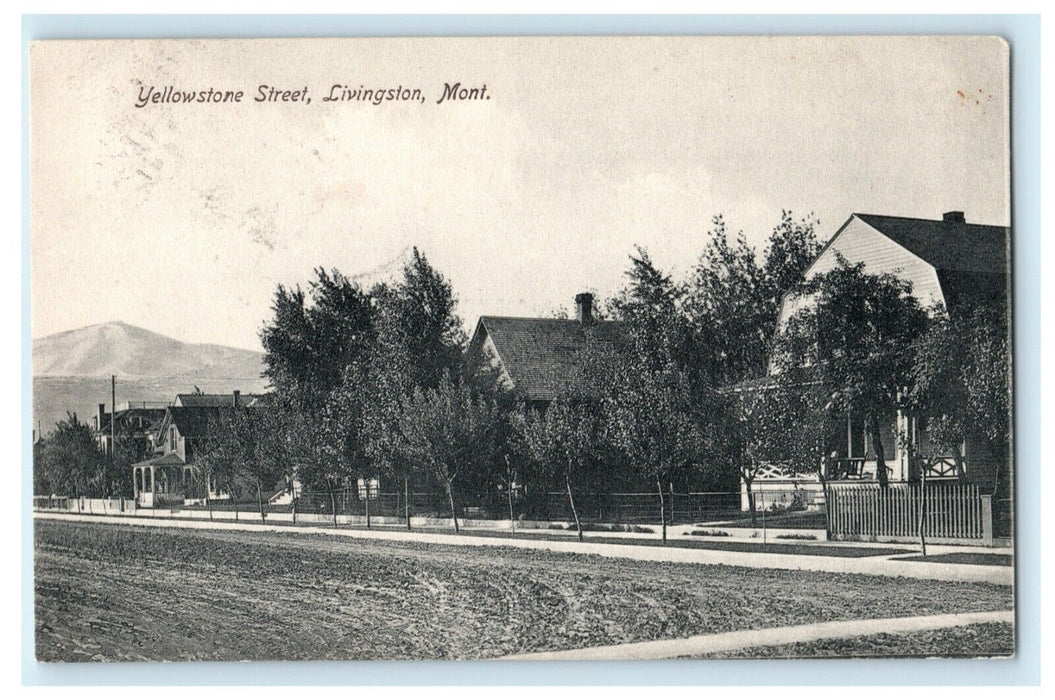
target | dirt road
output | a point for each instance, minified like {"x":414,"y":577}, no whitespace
{"x":116,"y":592}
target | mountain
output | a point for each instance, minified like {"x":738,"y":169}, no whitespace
{"x":129,"y":351}
{"x":71,"y":370}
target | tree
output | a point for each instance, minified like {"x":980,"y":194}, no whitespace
{"x":308,"y":346}
{"x":41,"y":483}
{"x":732,"y":299}
{"x":654,"y":390}
{"x":784,"y":423}
{"x":277,"y":439}
{"x":388,"y":389}
{"x":419,"y":329}
{"x":449,"y":431}
{"x":960,"y":381}
{"x":791,"y":248}
{"x":227,"y":453}
{"x":71,"y":461}
{"x":345,"y":416}
{"x":857,"y":333}
{"x":727,"y":301}
{"x":560,"y":441}
{"x":128,"y":450}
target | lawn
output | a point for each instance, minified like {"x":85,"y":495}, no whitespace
{"x":122,"y":592}
{"x":988,"y":640}
{"x":975,"y":558}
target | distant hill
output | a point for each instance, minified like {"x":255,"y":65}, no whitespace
{"x":71,"y":370}
{"x":129,"y":351}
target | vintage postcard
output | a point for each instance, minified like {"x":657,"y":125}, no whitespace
{"x":521,"y":348}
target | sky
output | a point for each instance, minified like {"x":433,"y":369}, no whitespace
{"x":183,"y":218}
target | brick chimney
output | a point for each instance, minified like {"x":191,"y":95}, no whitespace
{"x":952,"y":218}
{"x":584,"y":308}
{"x":99,"y":416}
{"x":236,"y":393}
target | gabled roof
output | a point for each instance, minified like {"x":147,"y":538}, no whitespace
{"x":191,"y":421}
{"x":961,"y":247}
{"x":542,"y":355}
{"x":151,"y":415}
{"x":216,"y":400}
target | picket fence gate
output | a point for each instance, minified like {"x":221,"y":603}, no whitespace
{"x":955,"y":512}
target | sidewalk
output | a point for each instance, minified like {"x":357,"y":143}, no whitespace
{"x":875,"y":566}
{"x":777,"y":636}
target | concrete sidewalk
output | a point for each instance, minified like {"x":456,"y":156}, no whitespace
{"x":873,"y":565}
{"x":747,"y":639}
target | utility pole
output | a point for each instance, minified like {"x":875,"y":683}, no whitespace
{"x":113,"y":416}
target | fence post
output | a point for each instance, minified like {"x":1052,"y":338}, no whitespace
{"x":987,"y":520}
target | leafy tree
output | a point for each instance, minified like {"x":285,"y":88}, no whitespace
{"x":728,"y":303}
{"x":449,"y":431}
{"x":278,"y":439}
{"x":938,"y":394}
{"x":419,"y":329}
{"x":560,"y":441}
{"x":387,"y":389}
{"x":654,"y":392}
{"x":307,"y":346}
{"x":128,"y":450}
{"x":857,"y":334}
{"x":960,"y":381}
{"x":732,"y":299}
{"x":791,"y":248}
{"x":345,"y":417}
{"x":227,"y":453}
{"x":41,"y":483}
{"x":71,"y":461}
{"x":781,"y":422}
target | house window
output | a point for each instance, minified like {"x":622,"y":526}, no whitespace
{"x":172,"y":438}
{"x":368,"y":488}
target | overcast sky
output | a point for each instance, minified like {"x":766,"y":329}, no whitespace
{"x":184,"y":218}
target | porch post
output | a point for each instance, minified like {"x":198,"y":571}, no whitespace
{"x":153,"y":487}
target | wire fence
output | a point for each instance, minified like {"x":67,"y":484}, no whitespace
{"x":627,"y":508}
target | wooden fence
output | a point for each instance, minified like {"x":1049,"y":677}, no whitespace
{"x":954,"y":512}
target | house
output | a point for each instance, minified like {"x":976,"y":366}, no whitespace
{"x":137,"y":420}
{"x":168,"y":477}
{"x":540,"y":359}
{"x":948,"y":262}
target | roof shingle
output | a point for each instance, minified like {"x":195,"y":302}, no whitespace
{"x":542,"y":355}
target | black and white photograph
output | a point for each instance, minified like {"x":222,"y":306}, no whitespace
{"x":521,"y":348}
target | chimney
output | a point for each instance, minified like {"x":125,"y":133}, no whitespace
{"x":236,"y":393}
{"x":99,"y":416}
{"x":953,"y":217}
{"x":584,"y":308}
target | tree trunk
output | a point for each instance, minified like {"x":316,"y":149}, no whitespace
{"x":450,"y":498}
{"x":293,"y":500}
{"x":230,"y":492}
{"x":922,"y":512}
{"x":571,"y":502}
{"x":662,"y":510}
{"x":877,"y":445}
{"x":406,"y":499}
{"x":260,"y":500}
{"x":333,"y":506}
{"x":750,"y":500}
{"x":509,"y":496}
{"x":367,"y":504}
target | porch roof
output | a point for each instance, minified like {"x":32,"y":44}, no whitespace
{"x":166,"y":460}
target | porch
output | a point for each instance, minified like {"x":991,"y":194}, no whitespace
{"x":160,"y":481}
